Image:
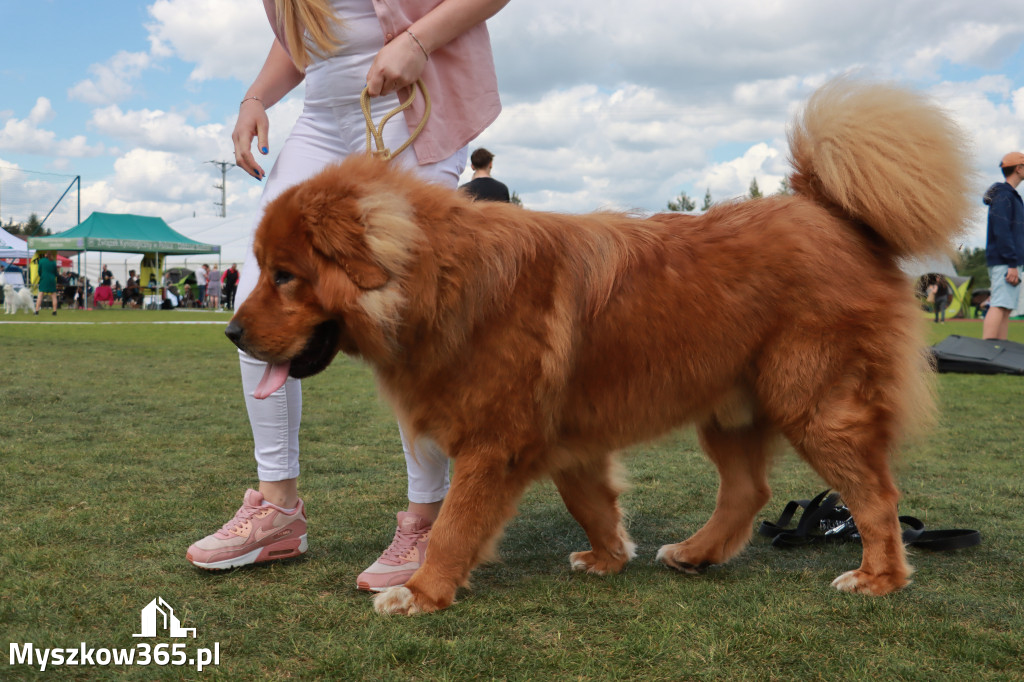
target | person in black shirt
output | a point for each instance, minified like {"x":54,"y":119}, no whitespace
{"x":230,"y":280}
{"x":483,"y":187}
{"x":942,"y":295}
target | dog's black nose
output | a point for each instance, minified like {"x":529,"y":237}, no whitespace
{"x":234,"y":332}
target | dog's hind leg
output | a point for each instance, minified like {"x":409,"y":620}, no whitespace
{"x":742,"y":455}
{"x":591,"y":492}
{"x":847,"y":439}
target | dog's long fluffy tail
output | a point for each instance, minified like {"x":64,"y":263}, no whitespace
{"x":885,"y":157}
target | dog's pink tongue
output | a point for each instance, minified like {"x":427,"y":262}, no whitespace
{"x":273,"y":379}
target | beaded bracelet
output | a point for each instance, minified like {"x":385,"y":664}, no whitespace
{"x":249,"y":98}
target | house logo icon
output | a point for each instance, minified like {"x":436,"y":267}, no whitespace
{"x":158,"y":615}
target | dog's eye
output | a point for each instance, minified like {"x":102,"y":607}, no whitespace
{"x":281,"y":278}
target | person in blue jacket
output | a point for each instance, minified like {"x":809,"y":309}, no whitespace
{"x":1004,"y":246}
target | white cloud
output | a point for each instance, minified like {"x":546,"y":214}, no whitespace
{"x":113,"y":80}
{"x":635,"y":147}
{"x":42,"y":112}
{"x":722,"y":179}
{"x":971,"y":43}
{"x":161,"y":130}
{"x":165,"y":172}
{"x":150,"y":183}
{"x":988,"y":109}
{"x":25,"y":136}
{"x":223,"y":38}
{"x":143,"y":173}
{"x":27,"y":192}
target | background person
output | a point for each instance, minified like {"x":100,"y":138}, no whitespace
{"x":1004,"y":246}
{"x":350,"y":44}
{"x":230,"y":284}
{"x":104,"y":292}
{"x":188,"y":300}
{"x":942,"y":296}
{"x":47,"y":280}
{"x":213,"y":288}
{"x":483,"y":187}
{"x":202,"y":278}
{"x":132,"y":294}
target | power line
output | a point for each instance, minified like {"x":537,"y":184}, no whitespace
{"x":25,"y":170}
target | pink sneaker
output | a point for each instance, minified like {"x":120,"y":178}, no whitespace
{"x":257,"y":533}
{"x":399,"y":561}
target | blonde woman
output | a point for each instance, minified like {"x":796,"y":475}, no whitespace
{"x":337,"y":47}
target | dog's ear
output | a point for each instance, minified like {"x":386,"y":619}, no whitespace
{"x":365,"y":275}
{"x":336,"y":230}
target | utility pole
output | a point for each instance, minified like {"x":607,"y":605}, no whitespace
{"x":223,"y":186}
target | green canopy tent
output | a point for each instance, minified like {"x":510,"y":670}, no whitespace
{"x":125,"y":233}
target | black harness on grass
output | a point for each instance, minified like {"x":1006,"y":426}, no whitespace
{"x":825,"y":520}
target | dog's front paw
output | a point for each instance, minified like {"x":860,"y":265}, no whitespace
{"x":859,"y":582}
{"x":678,"y":557}
{"x":593,"y":562}
{"x":398,"y":600}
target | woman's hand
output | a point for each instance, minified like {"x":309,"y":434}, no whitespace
{"x":399,"y":64}
{"x":276,"y":79}
{"x":401,"y":61}
{"x":252,"y":123}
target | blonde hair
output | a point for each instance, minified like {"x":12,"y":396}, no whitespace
{"x":314,"y":17}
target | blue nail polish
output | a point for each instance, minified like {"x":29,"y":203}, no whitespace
{"x":264,"y":150}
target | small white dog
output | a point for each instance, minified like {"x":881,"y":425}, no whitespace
{"x":13,"y":300}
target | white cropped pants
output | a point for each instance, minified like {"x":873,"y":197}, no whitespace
{"x":321,"y":136}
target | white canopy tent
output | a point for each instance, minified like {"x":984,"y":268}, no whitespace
{"x":13,"y":247}
{"x":231,"y":233}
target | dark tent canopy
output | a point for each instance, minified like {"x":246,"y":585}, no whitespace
{"x":976,"y":356}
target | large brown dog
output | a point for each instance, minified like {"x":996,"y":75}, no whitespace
{"x":535,"y":344}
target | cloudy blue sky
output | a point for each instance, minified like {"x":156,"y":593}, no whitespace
{"x":606,"y":104}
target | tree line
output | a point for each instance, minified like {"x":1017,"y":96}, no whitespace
{"x":685,"y":204}
{"x":33,"y":227}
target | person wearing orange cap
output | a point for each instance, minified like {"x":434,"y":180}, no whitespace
{"x":1004,"y":246}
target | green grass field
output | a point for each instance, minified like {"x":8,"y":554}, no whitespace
{"x":122,"y":443}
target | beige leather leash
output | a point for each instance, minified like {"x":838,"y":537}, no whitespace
{"x":375,"y":133}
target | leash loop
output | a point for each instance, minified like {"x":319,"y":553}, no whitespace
{"x":375,"y":133}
